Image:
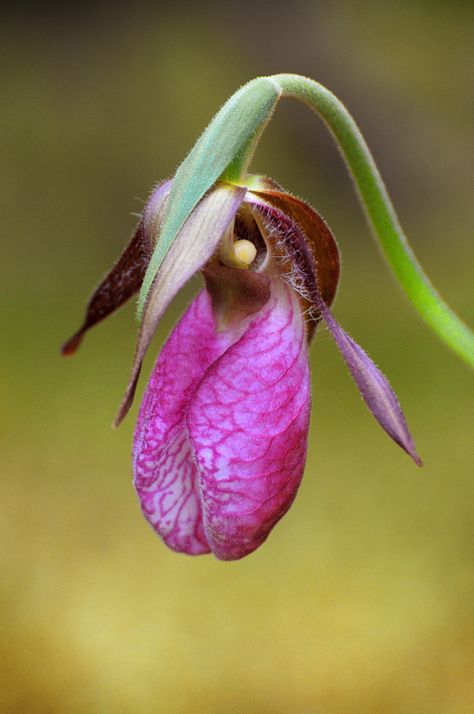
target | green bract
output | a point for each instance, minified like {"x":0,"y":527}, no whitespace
{"x":233,"y":130}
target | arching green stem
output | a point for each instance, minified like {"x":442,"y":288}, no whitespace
{"x":224,"y":152}
{"x":380,"y":212}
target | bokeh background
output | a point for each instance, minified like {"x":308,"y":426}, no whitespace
{"x":362,"y":598}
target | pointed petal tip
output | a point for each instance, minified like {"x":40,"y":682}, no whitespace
{"x":129,"y":395}
{"x":72,"y":344}
{"x":120,"y":416}
{"x":123,"y":410}
{"x":398,"y":433}
{"x":407,"y":444}
{"x":403,"y":438}
{"x":415,"y":457}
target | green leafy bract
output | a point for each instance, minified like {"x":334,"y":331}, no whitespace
{"x":228,"y":135}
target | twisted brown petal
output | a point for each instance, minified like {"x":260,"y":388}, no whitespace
{"x":320,"y":239}
{"x":126,"y":276}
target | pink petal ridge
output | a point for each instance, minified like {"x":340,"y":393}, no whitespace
{"x":248,"y":423}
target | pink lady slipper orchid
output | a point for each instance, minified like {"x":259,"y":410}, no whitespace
{"x":220,"y":443}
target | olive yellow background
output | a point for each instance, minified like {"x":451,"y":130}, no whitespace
{"x":361,"y":600}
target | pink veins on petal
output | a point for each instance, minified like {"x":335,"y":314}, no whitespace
{"x":220,"y":443}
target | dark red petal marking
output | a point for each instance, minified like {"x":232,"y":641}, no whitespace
{"x":248,"y":424}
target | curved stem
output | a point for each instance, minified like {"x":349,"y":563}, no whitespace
{"x":380,"y":212}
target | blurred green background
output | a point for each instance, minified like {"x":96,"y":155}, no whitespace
{"x":362,"y":598}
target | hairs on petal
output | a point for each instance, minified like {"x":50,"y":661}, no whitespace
{"x":126,"y":276}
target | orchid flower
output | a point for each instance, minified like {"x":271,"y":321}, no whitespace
{"x":221,"y":438}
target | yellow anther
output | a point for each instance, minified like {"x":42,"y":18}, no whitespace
{"x":245,"y":251}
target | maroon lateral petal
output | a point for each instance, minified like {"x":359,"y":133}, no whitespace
{"x":126,"y":276}
{"x":373,"y":386}
{"x":117,"y":287}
